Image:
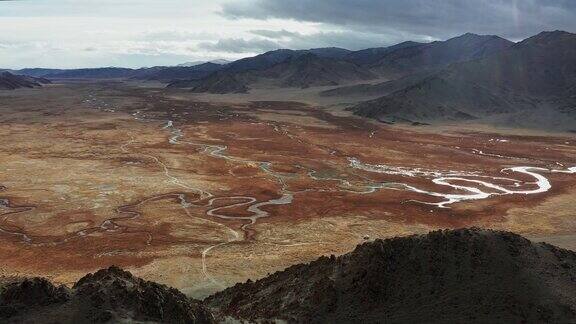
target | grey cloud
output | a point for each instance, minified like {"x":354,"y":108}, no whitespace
{"x":239,"y":45}
{"x":275,"y":33}
{"x":349,"y":39}
{"x":175,"y":35}
{"x":434,"y":18}
{"x":275,"y":39}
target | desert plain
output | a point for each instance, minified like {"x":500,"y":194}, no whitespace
{"x":200,"y":193}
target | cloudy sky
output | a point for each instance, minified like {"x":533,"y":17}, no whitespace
{"x":136,"y":33}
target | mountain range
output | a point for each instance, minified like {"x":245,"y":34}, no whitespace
{"x":446,"y":276}
{"x":297,"y":71}
{"x":217,"y":61}
{"x":158,"y":73}
{"x":470,"y":77}
{"x":335,"y":66}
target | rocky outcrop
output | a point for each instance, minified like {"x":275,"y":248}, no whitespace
{"x":451,"y":276}
{"x":18,"y":297}
{"x":107,"y":296}
{"x":460,"y":276}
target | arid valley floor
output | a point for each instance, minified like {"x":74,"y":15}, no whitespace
{"x":201,"y":194}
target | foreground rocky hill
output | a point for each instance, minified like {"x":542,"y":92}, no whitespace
{"x":462,"y":276}
{"x":107,"y":296}
{"x":452,"y":276}
{"x":9,"y":81}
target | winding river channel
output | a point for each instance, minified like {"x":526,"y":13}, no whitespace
{"x":458,"y":187}
{"x":477,"y":184}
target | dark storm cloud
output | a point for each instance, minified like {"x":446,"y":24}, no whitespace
{"x":434,"y":18}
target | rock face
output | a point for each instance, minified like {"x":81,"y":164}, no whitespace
{"x":534,"y":81}
{"x":461,"y":276}
{"x":111,"y":295}
{"x":9,"y":81}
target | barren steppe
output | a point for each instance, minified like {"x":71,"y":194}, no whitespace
{"x":200,"y":195}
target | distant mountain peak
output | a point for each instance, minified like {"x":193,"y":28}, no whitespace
{"x":556,"y":32}
{"x":547,"y":37}
{"x":469,"y":34}
{"x":280,"y":50}
{"x":552,"y":34}
{"x":195,"y":63}
{"x":409,"y":43}
{"x":473,"y":36}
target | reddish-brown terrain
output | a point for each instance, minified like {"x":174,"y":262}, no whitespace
{"x":200,"y":195}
